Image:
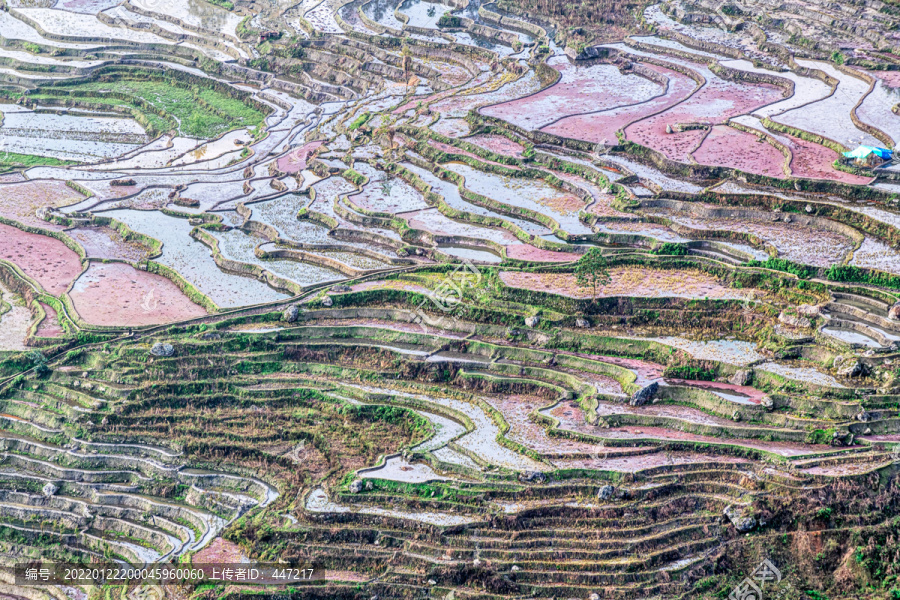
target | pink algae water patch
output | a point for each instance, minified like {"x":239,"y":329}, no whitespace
{"x":20,"y":201}
{"x":815,"y":162}
{"x":628,"y":281}
{"x":890,"y":78}
{"x":516,"y":411}
{"x":530,"y":253}
{"x":295,"y":161}
{"x":113,"y":294}
{"x":580,"y":89}
{"x":713,"y":104}
{"x":220,"y":552}
{"x":107,"y":243}
{"x":601,"y":127}
{"x":497,"y":143}
{"x":659,"y":433}
{"x":633,"y":464}
{"x":45,"y":259}
{"x":728,"y":147}
{"x":49,"y":327}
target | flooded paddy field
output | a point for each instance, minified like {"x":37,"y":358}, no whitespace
{"x":116,"y":294}
{"x":627,"y":281}
{"x":450,"y":299}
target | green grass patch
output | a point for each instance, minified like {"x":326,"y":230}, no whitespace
{"x":360,"y":121}
{"x":193,"y":111}
{"x":13,"y":160}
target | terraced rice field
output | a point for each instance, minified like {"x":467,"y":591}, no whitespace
{"x":450,"y":300}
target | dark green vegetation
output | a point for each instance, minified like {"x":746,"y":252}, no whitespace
{"x":12,"y":160}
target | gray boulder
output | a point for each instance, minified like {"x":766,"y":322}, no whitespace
{"x":162,"y":350}
{"x":532,"y":321}
{"x":894,"y":312}
{"x":808,"y":310}
{"x":794,"y":320}
{"x":645,"y":395}
{"x":583,"y":323}
{"x":291,"y":314}
{"x":533,"y":477}
{"x":739,"y":518}
{"x":742,"y":377}
{"x":606,"y":492}
{"x":851,"y":368}
{"x":767,"y":402}
{"x":327,"y":301}
{"x":49,"y":489}
{"x":842,"y":438}
{"x":356,"y":486}
{"x":340,"y":288}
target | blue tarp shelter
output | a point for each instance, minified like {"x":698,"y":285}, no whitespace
{"x":864,"y":152}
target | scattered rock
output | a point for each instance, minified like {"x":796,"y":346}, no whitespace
{"x":532,"y":321}
{"x":594,"y":596}
{"x":809,"y":208}
{"x":162,"y":350}
{"x":808,"y":310}
{"x":794,"y":320}
{"x":327,"y":301}
{"x":606,"y":492}
{"x":49,"y":489}
{"x":476,"y":562}
{"x":741,"y":377}
{"x":211,"y":335}
{"x":583,"y":323}
{"x":864,"y":417}
{"x":533,"y":477}
{"x":369,"y":485}
{"x":894,"y":312}
{"x":356,"y":487}
{"x":515,"y":568}
{"x":842,"y":438}
{"x":851,"y":368}
{"x":291,"y":313}
{"x":432,"y":582}
{"x":340,"y":288}
{"x":868,"y":431}
{"x":738,"y":517}
{"x":645,"y":395}
{"x":767,"y":402}
{"x":736,"y":416}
